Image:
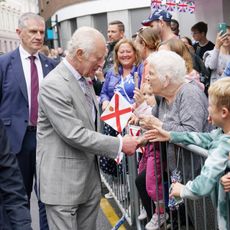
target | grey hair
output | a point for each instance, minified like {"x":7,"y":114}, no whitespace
{"x":84,"y":38}
{"x":26,"y":16}
{"x":170,"y":64}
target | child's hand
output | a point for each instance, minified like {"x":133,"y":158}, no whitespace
{"x":133,"y":120}
{"x":176,"y":189}
{"x":225,"y":181}
{"x":138,"y":96}
{"x":157,"y":134}
{"x":104,"y":105}
{"x":100,"y":75}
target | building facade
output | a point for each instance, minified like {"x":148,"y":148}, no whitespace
{"x":66,"y":16}
{"x":10,"y":10}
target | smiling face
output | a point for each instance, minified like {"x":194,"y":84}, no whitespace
{"x":32,"y":35}
{"x":126,"y":55}
{"x":154,"y":81}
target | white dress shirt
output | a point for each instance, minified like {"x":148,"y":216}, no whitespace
{"x":27,"y":71}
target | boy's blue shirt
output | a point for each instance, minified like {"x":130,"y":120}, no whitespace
{"x":218,"y":146}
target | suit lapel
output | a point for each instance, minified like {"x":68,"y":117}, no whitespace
{"x":19,"y":73}
{"x":78,"y":94}
{"x":46,"y":67}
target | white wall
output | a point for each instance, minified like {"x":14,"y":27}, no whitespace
{"x":209,"y":11}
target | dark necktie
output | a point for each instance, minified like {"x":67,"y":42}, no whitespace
{"x":34,"y":92}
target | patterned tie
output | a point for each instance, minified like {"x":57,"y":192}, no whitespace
{"x":89,"y":96}
{"x":34,"y":92}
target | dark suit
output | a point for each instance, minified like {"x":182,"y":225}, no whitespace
{"x":14,"y":211}
{"x":14,"y":112}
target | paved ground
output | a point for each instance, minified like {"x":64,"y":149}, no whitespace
{"x":102,"y":221}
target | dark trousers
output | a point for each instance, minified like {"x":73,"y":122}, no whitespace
{"x":145,"y":199}
{"x":27,"y":163}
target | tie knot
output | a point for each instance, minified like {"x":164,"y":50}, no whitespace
{"x":32,"y":58}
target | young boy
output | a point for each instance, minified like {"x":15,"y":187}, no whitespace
{"x":218,"y":144}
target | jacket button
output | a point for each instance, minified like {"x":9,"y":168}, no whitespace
{"x":26,"y":121}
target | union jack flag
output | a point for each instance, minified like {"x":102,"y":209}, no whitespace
{"x":156,"y":4}
{"x":182,"y":7}
{"x":171,"y":5}
{"x":191,"y":7}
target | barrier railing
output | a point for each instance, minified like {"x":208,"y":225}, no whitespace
{"x":197,"y":215}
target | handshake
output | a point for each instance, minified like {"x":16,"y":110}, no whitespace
{"x":131,"y":143}
{"x":156,"y":134}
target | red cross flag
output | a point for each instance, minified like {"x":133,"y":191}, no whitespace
{"x":117,"y":112}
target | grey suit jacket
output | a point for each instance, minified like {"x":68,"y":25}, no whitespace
{"x":67,"y":143}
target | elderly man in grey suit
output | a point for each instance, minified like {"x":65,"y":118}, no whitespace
{"x":67,"y":141}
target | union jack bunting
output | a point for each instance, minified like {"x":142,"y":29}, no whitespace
{"x":182,"y":7}
{"x":191,"y":7}
{"x":156,"y":4}
{"x":171,"y":5}
{"x":174,"y":5}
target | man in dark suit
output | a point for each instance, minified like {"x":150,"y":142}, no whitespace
{"x":21,"y":72}
{"x":14,"y":211}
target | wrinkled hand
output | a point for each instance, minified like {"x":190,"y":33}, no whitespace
{"x":104,"y":105}
{"x":129,"y":144}
{"x":225,"y":181}
{"x":176,"y":189}
{"x":133,"y":120}
{"x":138,"y":96}
{"x":149,"y":122}
{"x":157,"y":134}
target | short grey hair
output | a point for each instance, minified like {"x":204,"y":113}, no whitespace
{"x":27,"y":16}
{"x":168,"y":63}
{"x":84,"y":38}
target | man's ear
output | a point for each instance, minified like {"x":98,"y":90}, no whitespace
{"x":122,"y":34}
{"x":79,"y":54}
{"x":18,"y":31}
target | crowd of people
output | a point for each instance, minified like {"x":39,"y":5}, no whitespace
{"x":50,"y":130}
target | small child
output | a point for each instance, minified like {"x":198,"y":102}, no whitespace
{"x":218,"y":144}
{"x":145,"y":100}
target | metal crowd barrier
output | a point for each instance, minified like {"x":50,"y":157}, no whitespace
{"x":197,"y":215}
